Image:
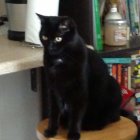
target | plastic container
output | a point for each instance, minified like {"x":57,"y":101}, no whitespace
{"x":116,"y":32}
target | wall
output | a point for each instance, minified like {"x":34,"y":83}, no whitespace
{"x":19,"y":107}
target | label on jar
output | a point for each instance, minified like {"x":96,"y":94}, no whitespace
{"x":120,"y":35}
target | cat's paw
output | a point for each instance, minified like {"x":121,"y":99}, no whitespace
{"x":50,"y":133}
{"x":73,"y":136}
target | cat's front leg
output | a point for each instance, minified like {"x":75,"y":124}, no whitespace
{"x":54,"y":116}
{"x":76,"y":116}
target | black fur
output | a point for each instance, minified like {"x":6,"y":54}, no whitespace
{"x":79,"y":85}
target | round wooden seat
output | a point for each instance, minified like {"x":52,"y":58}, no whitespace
{"x":124,"y":129}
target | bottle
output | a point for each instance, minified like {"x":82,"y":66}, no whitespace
{"x":113,"y":13}
{"x":115,"y":31}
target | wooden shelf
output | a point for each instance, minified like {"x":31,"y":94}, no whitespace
{"x":17,"y":56}
{"x":133,"y":45}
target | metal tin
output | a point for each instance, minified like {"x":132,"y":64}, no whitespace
{"x":16,"y":11}
{"x":16,"y":16}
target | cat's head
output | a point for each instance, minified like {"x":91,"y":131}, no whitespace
{"x":55,"y":32}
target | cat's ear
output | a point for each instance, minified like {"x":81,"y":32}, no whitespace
{"x":41,"y":17}
{"x":69,"y":22}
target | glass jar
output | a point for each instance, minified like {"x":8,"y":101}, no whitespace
{"x":116,"y":32}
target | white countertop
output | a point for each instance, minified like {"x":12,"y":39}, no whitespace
{"x":17,"y":56}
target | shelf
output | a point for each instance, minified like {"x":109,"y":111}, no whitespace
{"x":133,"y":45}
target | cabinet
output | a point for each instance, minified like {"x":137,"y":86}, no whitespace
{"x":20,"y":107}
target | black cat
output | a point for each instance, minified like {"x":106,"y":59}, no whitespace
{"x":79,"y":85}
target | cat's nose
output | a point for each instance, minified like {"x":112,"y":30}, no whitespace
{"x":51,"y":46}
{"x":52,"y":49}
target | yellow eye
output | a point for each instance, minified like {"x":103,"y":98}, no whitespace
{"x":58,"y":39}
{"x":44,"y":37}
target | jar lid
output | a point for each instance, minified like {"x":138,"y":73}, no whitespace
{"x":113,"y":8}
{"x":117,"y":21}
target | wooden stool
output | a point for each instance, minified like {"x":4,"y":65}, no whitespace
{"x":124,"y":129}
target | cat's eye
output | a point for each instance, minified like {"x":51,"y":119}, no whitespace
{"x":44,"y":37}
{"x":63,"y":27}
{"x":58,"y":39}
